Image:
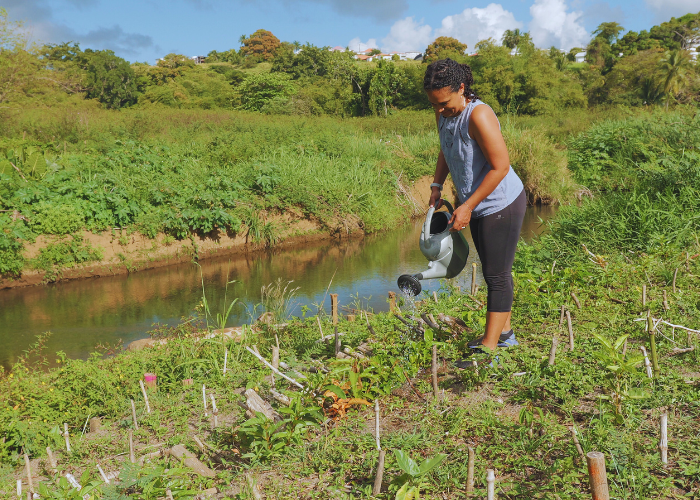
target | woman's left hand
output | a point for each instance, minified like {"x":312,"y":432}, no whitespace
{"x":460,"y":218}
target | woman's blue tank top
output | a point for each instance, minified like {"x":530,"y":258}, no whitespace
{"x":468,"y":165}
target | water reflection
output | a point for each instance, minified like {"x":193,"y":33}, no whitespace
{"x":81,"y":314}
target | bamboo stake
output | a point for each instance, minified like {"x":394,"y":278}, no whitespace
{"x":435,"y":298}
{"x":470,"y":471}
{"x":652,"y":344}
{"x":576,"y":301}
{"x":52,"y":461}
{"x":30,"y":483}
{"x":334,"y":307}
{"x":434,"y":372}
{"x":392,"y":301}
{"x":102,"y":473}
{"x":204,"y":400}
{"x":225,"y":359}
{"x":133,"y":415}
{"x":145,"y":396}
{"x":663,"y":443}
{"x":132,"y":455}
{"x":647,"y":364}
{"x":675,"y":274}
{"x":169,"y":494}
{"x":275,"y":362}
{"x":666,"y":306}
{"x":257,"y":355}
{"x":215,"y":411}
{"x":473,"y":278}
{"x":574,"y":438}
{"x":337,"y":341}
{"x":644,"y":295}
{"x":319,"y":326}
{"x":571,"y":330}
{"x":19,"y":488}
{"x":377,"y":488}
{"x":490,"y":486}
{"x":597,"y":476}
{"x":553,"y":350}
{"x":66,"y":435}
{"x":561,"y":317}
{"x":376,"y":424}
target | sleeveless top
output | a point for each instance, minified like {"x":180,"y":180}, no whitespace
{"x":468,"y":165}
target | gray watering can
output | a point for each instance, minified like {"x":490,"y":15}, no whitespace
{"x":446,"y":251}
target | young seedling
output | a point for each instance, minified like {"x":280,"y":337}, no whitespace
{"x":412,"y":479}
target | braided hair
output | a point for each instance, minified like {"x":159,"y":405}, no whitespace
{"x":449,"y":73}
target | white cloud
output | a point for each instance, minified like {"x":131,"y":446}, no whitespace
{"x":473,"y":25}
{"x":552,"y":25}
{"x":358,"y":46}
{"x":665,"y":9}
{"x":407,"y":34}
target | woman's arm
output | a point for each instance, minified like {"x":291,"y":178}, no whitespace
{"x":484,"y":128}
{"x":441,"y":171}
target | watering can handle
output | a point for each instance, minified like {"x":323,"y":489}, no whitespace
{"x":429,"y":216}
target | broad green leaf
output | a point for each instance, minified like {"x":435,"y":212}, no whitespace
{"x":337,"y":391}
{"x":430,"y":463}
{"x":406,"y":464}
{"x":619,"y":342}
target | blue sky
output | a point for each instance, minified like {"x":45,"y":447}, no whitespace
{"x":144,"y":30}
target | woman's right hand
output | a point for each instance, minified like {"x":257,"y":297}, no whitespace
{"x":435,"y":196}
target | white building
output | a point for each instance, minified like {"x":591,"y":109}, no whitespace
{"x":580,"y":57}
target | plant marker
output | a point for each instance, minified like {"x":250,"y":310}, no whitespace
{"x":204,"y":399}
{"x":561,"y":317}
{"x":435,"y":296}
{"x":334,"y":307}
{"x":434,"y":372}
{"x":490,"y":486}
{"x":473,"y":290}
{"x":376,"y":424}
{"x":663,"y":444}
{"x":65,"y":435}
{"x":652,"y":343}
{"x":133,"y":415}
{"x":597,"y":476}
{"x":145,"y":396}
{"x":225,"y":359}
{"x":19,"y":488}
{"x":215,"y":411}
{"x":666,"y":306}
{"x":377,"y":488}
{"x":644,"y":295}
{"x":574,"y":437}
{"x":102,"y":473}
{"x":647,"y":364}
{"x":470,"y":470}
{"x":553,"y":350}
{"x":30,"y":484}
{"x":578,"y":304}
{"x":571,"y":330}
{"x":75,"y":484}
{"x":132,"y":455}
{"x":150,"y":379}
{"x":275,"y":362}
{"x":52,"y":461}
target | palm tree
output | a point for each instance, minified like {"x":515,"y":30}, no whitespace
{"x":674,"y":67}
{"x":650,"y":90}
{"x":511,"y":38}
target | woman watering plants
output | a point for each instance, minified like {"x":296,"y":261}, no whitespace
{"x":491,"y":195}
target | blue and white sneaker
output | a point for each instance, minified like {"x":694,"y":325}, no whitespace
{"x":507,"y":339}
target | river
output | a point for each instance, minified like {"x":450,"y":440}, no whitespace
{"x":84,"y":313}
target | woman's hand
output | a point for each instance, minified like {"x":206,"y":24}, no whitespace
{"x":435,"y":196}
{"x":460,"y":218}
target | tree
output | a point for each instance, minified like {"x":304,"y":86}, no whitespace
{"x":262,"y":44}
{"x":674,"y":67}
{"x":261,"y":89}
{"x":511,"y":38}
{"x":19,"y":68}
{"x":174,"y":61}
{"x":443,"y":47}
{"x":108,"y":78}
{"x":385,"y":86}
{"x":608,"y":32}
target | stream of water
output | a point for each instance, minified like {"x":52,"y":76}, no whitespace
{"x":84,"y":313}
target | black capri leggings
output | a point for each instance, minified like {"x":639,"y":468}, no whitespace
{"x":495,"y":238}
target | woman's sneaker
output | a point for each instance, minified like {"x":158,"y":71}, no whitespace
{"x":507,"y":339}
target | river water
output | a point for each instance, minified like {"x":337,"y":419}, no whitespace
{"x":84,"y":313}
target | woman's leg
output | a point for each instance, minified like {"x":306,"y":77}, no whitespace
{"x":497,"y":236}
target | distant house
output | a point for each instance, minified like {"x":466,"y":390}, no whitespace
{"x":337,"y":48}
{"x":694,"y":51}
{"x":580,"y":57}
{"x":198,"y":59}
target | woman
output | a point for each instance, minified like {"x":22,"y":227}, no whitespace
{"x":491,"y":195}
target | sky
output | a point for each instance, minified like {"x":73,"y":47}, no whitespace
{"x":145,"y":30}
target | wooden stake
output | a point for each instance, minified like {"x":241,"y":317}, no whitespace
{"x":647,"y":364}
{"x":95,"y":424}
{"x":334,"y":307}
{"x":571,"y":330}
{"x":169,"y":494}
{"x":66,"y":435}
{"x":350,"y":318}
{"x":30,"y":483}
{"x":275,"y":362}
{"x":435,"y":296}
{"x":392,"y":301}
{"x":214,"y":411}
{"x":561,"y":317}
{"x":337,"y":341}
{"x":675,"y":274}
{"x":319,"y":326}
{"x":490,"y":484}
{"x":133,"y":415}
{"x":145,"y":396}
{"x":434,"y":372}
{"x":377,"y":488}
{"x":597,"y":477}
{"x":52,"y":461}
{"x":150,"y":380}
{"x":644,"y":295}
{"x":132,"y":455}
{"x":470,"y":471}
{"x":652,"y":343}
{"x":553,"y":350}
{"x":576,"y":301}
{"x":473,"y":278}
{"x":624,"y":349}
{"x":225,"y":359}
{"x":19,"y":488}
{"x":102,"y":473}
{"x":663,"y":443}
{"x":204,"y":400}
{"x":666,"y":306}
{"x":263,"y":361}
{"x":574,"y":438}
{"x":376,"y":424}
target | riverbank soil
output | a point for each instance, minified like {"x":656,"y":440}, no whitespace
{"x":517,"y":415}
